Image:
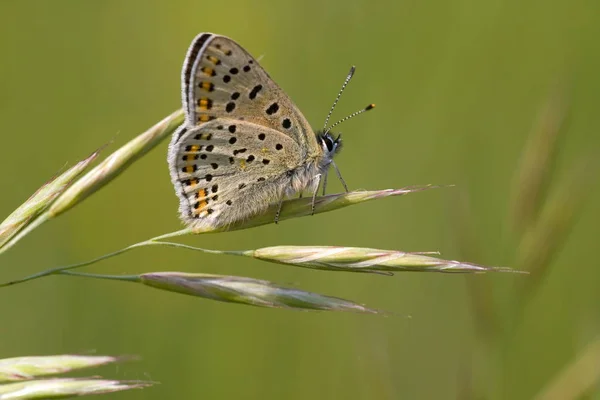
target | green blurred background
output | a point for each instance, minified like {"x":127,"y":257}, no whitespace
{"x":458,"y":85}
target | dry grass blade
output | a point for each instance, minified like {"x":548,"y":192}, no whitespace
{"x":24,"y":368}
{"x":295,"y":208}
{"x":64,"y":388}
{"x":116,"y":163}
{"x":480,"y":291}
{"x":545,"y":238}
{"x":40,"y":201}
{"x":577,"y":378}
{"x":537,"y":162}
{"x":358,"y":259}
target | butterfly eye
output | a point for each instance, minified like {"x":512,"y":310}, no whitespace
{"x":328,"y":143}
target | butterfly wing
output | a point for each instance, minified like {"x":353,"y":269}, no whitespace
{"x":227,"y":170}
{"x":221,"y":80}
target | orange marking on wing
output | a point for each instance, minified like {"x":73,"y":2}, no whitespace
{"x":209,"y":87}
{"x":208,"y":71}
{"x":205,"y":103}
{"x":202,"y":201}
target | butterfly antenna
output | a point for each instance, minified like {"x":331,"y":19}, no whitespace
{"x":339,"y":95}
{"x":354,"y":114}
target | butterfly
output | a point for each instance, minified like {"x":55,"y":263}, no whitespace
{"x":244,"y":143}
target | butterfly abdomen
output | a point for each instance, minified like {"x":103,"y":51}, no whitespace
{"x":256,"y":200}
{"x":304,"y":178}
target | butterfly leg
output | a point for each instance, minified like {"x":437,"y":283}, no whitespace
{"x":324,"y":181}
{"x":314,"y":196}
{"x":339,"y":174}
{"x":279,"y":209}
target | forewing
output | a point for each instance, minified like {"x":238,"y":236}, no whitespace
{"x":226,"y":170}
{"x":221,"y":80}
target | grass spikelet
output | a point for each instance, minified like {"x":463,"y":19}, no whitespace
{"x":292,"y":208}
{"x":116,"y":163}
{"x":57,"y":196}
{"x":235,"y":289}
{"x":22,"y":373}
{"x":301,"y":207}
{"x":330,"y":258}
{"x":39,"y":202}
{"x":24,"y":368}
{"x":359,"y":259}
{"x":61,"y":388}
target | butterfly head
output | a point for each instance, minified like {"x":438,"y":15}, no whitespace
{"x":331,"y":145}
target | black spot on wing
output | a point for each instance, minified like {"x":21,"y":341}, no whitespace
{"x":254,"y":92}
{"x":273,"y":108}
